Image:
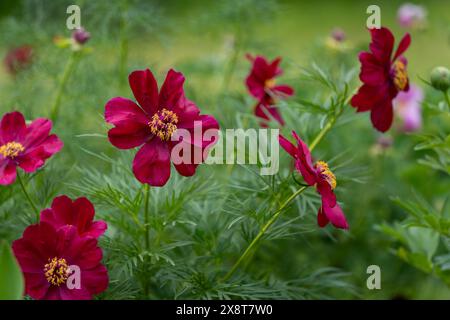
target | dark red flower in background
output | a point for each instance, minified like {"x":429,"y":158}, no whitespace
{"x":152,"y":123}
{"x":24,"y":146}
{"x":383,"y":75}
{"x":79,"y":213}
{"x":318,"y":175}
{"x":45,"y":255}
{"x":261,"y":85}
{"x":18,"y":59}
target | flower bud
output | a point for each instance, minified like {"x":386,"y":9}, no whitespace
{"x":338,"y":35}
{"x":440,"y":78}
{"x":81,"y":36}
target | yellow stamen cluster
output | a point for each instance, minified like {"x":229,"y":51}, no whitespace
{"x":269,"y":83}
{"x":400,"y":75}
{"x":11,"y":149}
{"x":325,"y":171}
{"x":56,"y":271}
{"x":163,"y":124}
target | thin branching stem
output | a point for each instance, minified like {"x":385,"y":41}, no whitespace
{"x":24,"y":189}
{"x":70,"y":66}
{"x":123,"y":58}
{"x":322,"y":133}
{"x":147,"y":230}
{"x":146,"y":217}
{"x":262,"y":232}
{"x":447,"y":98}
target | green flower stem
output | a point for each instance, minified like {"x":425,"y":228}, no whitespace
{"x":146,"y":217}
{"x":147,"y":233}
{"x":70,"y":66}
{"x":322,"y":133}
{"x":447,"y":98}
{"x":123,"y":54}
{"x":33,"y":206}
{"x":236,"y":52}
{"x":262,"y":232}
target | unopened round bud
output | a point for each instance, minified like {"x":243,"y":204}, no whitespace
{"x":81,"y":36}
{"x":338,"y":34}
{"x":440,"y":78}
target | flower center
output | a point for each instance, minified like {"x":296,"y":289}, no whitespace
{"x":11,"y":149}
{"x":269,"y":83}
{"x":56,"y":271}
{"x":325,"y":172}
{"x":163,"y":124}
{"x":400,"y":75}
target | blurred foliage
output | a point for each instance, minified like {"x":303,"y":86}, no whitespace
{"x":200,"y":225}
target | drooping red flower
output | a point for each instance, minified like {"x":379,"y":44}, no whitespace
{"x":153,"y":122}
{"x":18,"y":59}
{"x":318,"y":175}
{"x":383,"y":75}
{"x":51,"y":260}
{"x":24,"y":146}
{"x":261,"y":85}
{"x":79,"y":213}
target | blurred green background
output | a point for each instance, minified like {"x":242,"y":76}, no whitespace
{"x":207,"y":41}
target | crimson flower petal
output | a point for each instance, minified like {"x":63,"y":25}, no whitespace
{"x":328,"y":196}
{"x":172,"y":94}
{"x":322,"y":219}
{"x":382,"y":115}
{"x":403,"y":46}
{"x":79,"y":213}
{"x":335,"y":215}
{"x":382,"y":44}
{"x":267,"y":111}
{"x":145,"y":90}
{"x":12,"y":127}
{"x":37,"y":132}
{"x":283,"y":90}
{"x":372,"y":72}
{"x":196,"y":144}
{"x":7,"y":172}
{"x":152,"y":163}
{"x":287,"y":146}
{"x":367,"y":97}
{"x":123,"y":112}
{"x":34,"y":158}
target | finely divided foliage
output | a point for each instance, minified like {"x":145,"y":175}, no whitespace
{"x":136,"y":228}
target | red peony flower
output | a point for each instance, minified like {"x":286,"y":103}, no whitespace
{"x":318,"y":175}
{"x":383,"y":77}
{"x":79,"y":213}
{"x":261,"y":85}
{"x":49,"y":259}
{"x":18,"y":59}
{"x":25,"y":146}
{"x":152,"y":124}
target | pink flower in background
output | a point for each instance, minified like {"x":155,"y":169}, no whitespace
{"x":411,"y":16}
{"x":408,"y":106}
